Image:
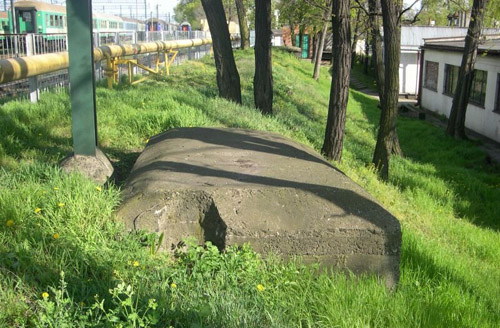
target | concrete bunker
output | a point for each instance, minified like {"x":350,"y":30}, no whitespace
{"x":233,"y":186}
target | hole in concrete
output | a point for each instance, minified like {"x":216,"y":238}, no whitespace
{"x":213,"y":228}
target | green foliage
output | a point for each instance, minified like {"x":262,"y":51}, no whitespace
{"x":438,"y":11}
{"x":443,"y":192}
{"x":191,"y":11}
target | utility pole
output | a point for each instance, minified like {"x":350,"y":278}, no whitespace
{"x":81,"y":70}
{"x":145,"y":11}
{"x":120,"y":10}
{"x":13,"y":13}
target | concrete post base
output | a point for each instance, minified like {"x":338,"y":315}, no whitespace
{"x":97,"y":168}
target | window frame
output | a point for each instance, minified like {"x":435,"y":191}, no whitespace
{"x":496,"y":109}
{"x":449,"y":79}
{"x":482,"y":92}
{"x":426,"y":74}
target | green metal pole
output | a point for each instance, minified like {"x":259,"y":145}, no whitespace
{"x":81,"y":76}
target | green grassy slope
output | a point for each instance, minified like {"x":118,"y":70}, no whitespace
{"x":443,"y":192}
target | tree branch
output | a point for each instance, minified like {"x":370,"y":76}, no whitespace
{"x":408,"y":8}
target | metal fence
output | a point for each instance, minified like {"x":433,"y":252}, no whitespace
{"x":20,"y":45}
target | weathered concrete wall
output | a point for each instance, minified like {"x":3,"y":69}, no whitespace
{"x":234,"y":186}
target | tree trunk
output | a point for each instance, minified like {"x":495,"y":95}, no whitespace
{"x":339,"y":92}
{"x":355,"y":37}
{"x":263,"y":79}
{"x":377,"y":57}
{"x":292,"y":34}
{"x":456,"y":122}
{"x":376,"y":40}
{"x":228,"y":79}
{"x":301,"y":37}
{"x":367,"y":58}
{"x":315,"y":47}
{"x":317,"y":63}
{"x":242,"y":20}
{"x":391,"y":11}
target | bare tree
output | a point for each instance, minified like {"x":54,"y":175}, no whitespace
{"x":456,"y":122}
{"x":339,"y":91}
{"x":263,"y":78}
{"x":228,"y":79}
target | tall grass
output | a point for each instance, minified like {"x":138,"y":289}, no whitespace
{"x":443,"y":192}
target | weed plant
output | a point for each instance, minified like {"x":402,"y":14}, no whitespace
{"x":65,"y":261}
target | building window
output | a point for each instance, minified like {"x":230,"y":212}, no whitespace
{"x":431,"y":75}
{"x":450,"y":79}
{"x":497,"y":98}
{"x":51,"y":20}
{"x":478,"y":89}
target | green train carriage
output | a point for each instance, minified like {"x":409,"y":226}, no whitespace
{"x":4,"y":22}
{"x":33,"y":17}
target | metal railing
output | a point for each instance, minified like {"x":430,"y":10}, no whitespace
{"x":24,"y":45}
{"x":21,"y":45}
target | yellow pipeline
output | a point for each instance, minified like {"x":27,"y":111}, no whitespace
{"x":14,"y":69}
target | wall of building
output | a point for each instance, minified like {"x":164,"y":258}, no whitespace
{"x":481,"y":120}
{"x":408,"y":72}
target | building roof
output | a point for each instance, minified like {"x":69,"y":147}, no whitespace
{"x":489,"y":45}
{"x":40,"y":6}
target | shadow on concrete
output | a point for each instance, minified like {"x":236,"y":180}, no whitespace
{"x":349,"y":201}
{"x":235,"y":139}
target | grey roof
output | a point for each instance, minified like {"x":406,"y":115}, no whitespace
{"x":490,"y":45}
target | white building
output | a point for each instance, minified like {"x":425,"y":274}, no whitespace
{"x":412,"y":38}
{"x":441,"y":61}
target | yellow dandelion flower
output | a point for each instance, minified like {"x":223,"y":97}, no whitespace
{"x":136,"y":263}
{"x":98,"y":188}
{"x":45,"y":295}
{"x":56,"y":188}
{"x":260,"y":287}
{"x":147,"y":140}
{"x":9,"y":223}
{"x":37,"y":210}
{"x":56,"y":235}
{"x":173,"y":285}
{"x":61,"y":204}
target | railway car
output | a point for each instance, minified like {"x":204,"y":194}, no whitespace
{"x":185,"y":26}
{"x":44,"y":18}
{"x":157,"y":25}
{"x":132,"y":24}
{"x":4,"y":22}
{"x":38,"y":17}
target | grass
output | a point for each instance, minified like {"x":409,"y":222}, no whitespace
{"x":443,"y":192}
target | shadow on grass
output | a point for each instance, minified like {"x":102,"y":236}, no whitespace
{"x":460,"y":165}
{"x":19,"y":141}
{"x":429,"y":271}
{"x":123,"y":161}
